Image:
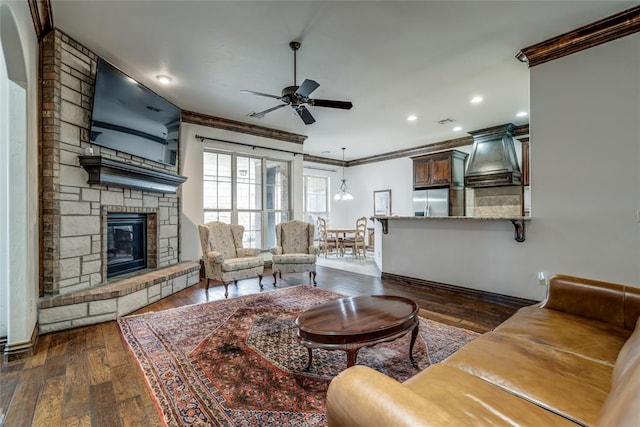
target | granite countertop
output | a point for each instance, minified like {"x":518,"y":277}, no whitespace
{"x":474,"y":218}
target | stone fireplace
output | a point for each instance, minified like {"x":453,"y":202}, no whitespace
{"x":74,"y":212}
{"x":79,"y":193}
{"x":129,"y":240}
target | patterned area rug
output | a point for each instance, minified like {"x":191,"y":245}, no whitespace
{"x":237,"y":362}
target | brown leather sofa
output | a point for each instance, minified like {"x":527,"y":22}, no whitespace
{"x":574,"y":359}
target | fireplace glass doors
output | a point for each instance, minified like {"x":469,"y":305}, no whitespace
{"x":126,"y":243}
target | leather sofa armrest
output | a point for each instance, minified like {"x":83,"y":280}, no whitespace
{"x":214,"y":256}
{"x":361,"y":396}
{"x":592,"y":299}
{"x":276,"y":250}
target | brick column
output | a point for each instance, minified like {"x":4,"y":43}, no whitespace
{"x":50,"y":163}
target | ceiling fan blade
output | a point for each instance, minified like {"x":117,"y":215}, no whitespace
{"x":306,"y":88}
{"x":343,"y":105}
{"x":261,"y":114}
{"x":305,"y":115}
{"x":260,"y":94}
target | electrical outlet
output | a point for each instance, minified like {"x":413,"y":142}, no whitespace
{"x":542,"y":279}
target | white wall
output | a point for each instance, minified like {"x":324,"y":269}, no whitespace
{"x":585,"y":150}
{"x":338,"y":210}
{"x":362,"y":181}
{"x":585,"y":188}
{"x":191,"y":150}
{"x":4,"y":197}
{"x":19,"y":46}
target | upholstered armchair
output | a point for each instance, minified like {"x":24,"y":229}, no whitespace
{"x":225,"y":258}
{"x":295,"y":252}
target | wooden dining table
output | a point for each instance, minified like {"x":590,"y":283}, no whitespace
{"x":336,"y":232}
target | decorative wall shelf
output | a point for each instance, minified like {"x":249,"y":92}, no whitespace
{"x":105,"y":171}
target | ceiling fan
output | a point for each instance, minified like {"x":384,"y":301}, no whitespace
{"x":298,"y":96}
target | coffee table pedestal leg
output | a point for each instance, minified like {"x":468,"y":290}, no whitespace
{"x":310,"y":358}
{"x":414,"y":335}
{"x":352,"y":355}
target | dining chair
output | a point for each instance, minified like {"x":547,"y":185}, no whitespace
{"x":358,"y":242}
{"x":325,"y":241}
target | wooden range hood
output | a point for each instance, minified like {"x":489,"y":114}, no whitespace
{"x":493,"y":161}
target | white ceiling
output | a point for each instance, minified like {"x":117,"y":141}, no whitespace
{"x":391,"y":59}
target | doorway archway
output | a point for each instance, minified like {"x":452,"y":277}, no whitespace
{"x":16,"y":295}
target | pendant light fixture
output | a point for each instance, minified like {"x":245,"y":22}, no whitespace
{"x":343,"y":192}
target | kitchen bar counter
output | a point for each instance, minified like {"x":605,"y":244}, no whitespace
{"x":481,"y":218}
{"x":517,"y":221}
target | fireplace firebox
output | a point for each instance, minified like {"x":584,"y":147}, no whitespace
{"x":126,"y":243}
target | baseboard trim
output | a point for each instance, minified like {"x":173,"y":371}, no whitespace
{"x":506,"y":300}
{"x":22,"y":350}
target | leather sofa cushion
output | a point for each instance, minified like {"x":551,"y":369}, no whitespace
{"x":465,"y":400}
{"x":628,"y":356}
{"x":440,"y":396}
{"x":631,"y":307}
{"x":565,"y":383}
{"x":588,"y":298}
{"x":622,"y":407}
{"x":235,"y":264}
{"x":590,"y":338}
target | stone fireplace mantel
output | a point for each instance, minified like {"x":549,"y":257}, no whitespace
{"x":106,"y":171}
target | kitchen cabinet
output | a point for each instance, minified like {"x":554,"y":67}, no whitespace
{"x":439,"y":169}
{"x":433,"y":170}
{"x":442,"y":170}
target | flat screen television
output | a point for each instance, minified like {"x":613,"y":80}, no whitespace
{"x":128,"y":117}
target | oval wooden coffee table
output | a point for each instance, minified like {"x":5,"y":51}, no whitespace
{"x":352,"y":323}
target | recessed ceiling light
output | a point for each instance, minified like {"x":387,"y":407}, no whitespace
{"x":522,"y":114}
{"x":164,"y":79}
{"x":476,"y":100}
{"x":457,"y":128}
{"x":412,"y":118}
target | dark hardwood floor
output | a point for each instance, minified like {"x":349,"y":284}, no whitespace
{"x":86,"y":376}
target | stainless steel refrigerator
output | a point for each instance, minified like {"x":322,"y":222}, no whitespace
{"x":432,"y":202}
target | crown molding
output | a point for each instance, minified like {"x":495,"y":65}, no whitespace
{"x":324,"y":160}
{"x":410,"y":152}
{"x":605,"y":30}
{"x":41,"y":16}
{"x":241,"y":127}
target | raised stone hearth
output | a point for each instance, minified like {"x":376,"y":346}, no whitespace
{"x":115,"y":299}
